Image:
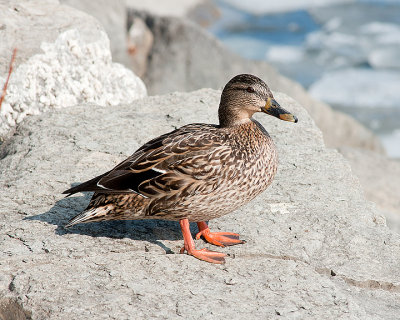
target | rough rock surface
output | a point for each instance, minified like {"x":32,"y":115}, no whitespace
{"x":184,"y":58}
{"x":380,"y":179}
{"x":112,"y":16}
{"x":315,"y":248}
{"x":26,"y":24}
{"x":73,"y":69}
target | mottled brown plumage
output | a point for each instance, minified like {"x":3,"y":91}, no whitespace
{"x":195,"y":173}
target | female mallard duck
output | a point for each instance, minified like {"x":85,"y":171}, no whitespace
{"x":195,"y":173}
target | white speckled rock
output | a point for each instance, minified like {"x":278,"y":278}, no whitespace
{"x":316,"y":249}
{"x":75,"y":68}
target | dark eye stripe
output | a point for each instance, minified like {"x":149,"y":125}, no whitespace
{"x":244,"y":89}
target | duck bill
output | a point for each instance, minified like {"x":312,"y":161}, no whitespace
{"x":274,"y":109}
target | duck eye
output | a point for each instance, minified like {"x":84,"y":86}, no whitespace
{"x":250,"y":90}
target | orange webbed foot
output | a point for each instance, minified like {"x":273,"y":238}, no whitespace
{"x":207,"y":255}
{"x":221,"y":239}
{"x":203,"y":254}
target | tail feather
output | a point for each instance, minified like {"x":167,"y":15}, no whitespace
{"x":90,"y":185}
{"x":90,"y":215}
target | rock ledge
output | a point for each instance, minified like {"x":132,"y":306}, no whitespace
{"x":315,"y":248}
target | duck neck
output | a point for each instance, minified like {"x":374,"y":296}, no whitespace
{"x":232,"y":117}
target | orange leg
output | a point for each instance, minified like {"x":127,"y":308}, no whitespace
{"x":221,"y":239}
{"x":203,"y":254}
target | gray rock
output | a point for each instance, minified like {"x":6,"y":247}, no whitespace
{"x":380,"y":179}
{"x":112,"y":16}
{"x":185,"y":57}
{"x":316,"y":249}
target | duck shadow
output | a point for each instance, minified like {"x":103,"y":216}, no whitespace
{"x":142,"y":230}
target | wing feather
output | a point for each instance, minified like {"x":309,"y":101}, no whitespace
{"x":165,"y":164}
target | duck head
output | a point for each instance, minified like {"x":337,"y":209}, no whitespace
{"x":245,"y":95}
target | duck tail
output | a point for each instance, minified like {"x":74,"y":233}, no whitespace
{"x":91,"y":215}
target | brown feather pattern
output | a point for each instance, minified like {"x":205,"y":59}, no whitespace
{"x":198,"y":172}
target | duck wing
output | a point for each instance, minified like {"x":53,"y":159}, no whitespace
{"x":164,"y":164}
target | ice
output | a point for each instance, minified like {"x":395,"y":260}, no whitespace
{"x":258,"y":7}
{"x":385,"y":58}
{"x":380,"y":2}
{"x":284,"y":54}
{"x":376,"y":27}
{"x":388,"y":39}
{"x":376,"y":44}
{"x":335,"y":41}
{"x":254,"y":47}
{"x":335,"y":49}
{"x":360,"y":88}
{"x":333,"y":24}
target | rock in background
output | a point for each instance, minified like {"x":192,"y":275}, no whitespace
{"x":58,"y":70}
{"x":315,"y":248}
{"x":170,"y":8}
{"x":140,"y":41}
{"x":112,"y":17}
